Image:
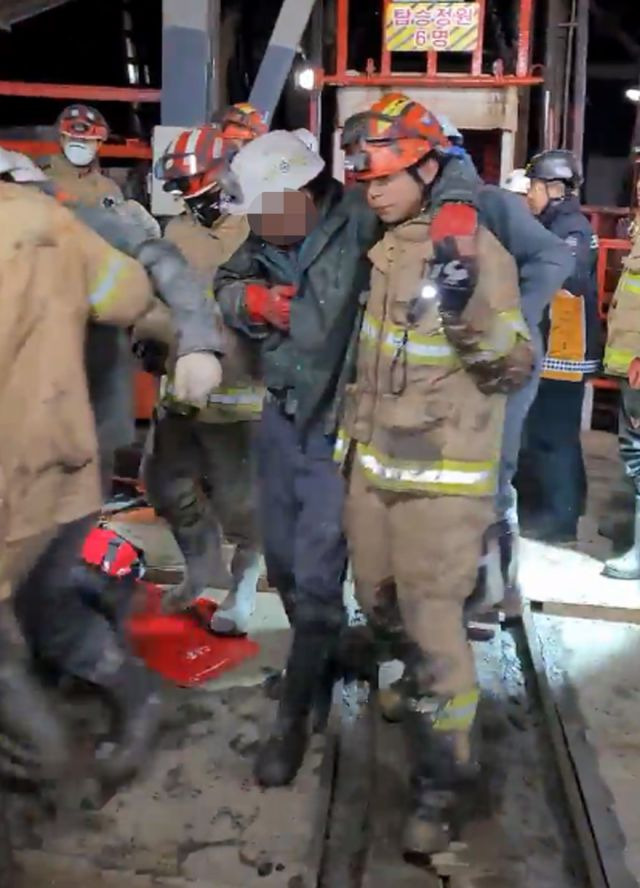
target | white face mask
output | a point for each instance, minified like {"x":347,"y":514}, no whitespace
{"x":80,"y":153}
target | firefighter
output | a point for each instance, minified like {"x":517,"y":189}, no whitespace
{"x":62,"y":629}
{"x":295,"y":286}
{"x":82,"y":131}
{"x":622,"y":359}
{"x":442,"y":341}
{"x":192,"y":450}
{"x":553,"y":460}
{"x":49,"y":464}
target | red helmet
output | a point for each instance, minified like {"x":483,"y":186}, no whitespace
{"x":394,"y":135}
{"x":83,"y":122}
{"x":243,"y":123}
{"x":194,"y":161}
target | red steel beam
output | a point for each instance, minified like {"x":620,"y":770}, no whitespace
{"x":441,"y":80}
{"x":342,"y":38}
{"x":132,"y":150}
{"x":72,"y":93}
{"x":524,"y":37}
{"x":478,"y":53}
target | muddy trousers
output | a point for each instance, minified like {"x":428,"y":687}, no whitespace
{"x":301,"y":504}
{"x":419,"y":555}
{"x":629,"y":433}
{"x":200,"y":478}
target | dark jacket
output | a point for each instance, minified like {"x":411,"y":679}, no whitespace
{"x":567,"y":221}
{"x":307,"y":368}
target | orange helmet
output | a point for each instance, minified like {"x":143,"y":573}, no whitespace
{"x":394,"y":135}
{"x":194,"y":161}
{"x":243,"y":123}
{"x":83,"y":122}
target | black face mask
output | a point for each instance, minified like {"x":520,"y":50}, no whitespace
{"x":205,"y":207}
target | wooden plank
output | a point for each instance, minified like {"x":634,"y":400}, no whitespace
{"x":384,"y":865}
{"x":570,"y":583}
{"x":346,"y":836}
{"x":593,"y":788}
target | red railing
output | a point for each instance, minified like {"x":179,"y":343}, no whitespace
{"x":131,"y":149}
{"x":382,"y":72}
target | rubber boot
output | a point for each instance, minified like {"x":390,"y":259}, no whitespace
{"x":233,"y":615}
{"x":201,"y":546}
{"x":33,"y":741}
{"x":280,"y":758}
{"x":133,"y":695}
{"x":627,"y":566}
{"x":443,"y":765}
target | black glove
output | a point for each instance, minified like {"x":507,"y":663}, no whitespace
{"x":455,"y":276}
{"x":152,"y":355}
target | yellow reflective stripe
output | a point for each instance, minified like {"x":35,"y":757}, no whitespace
{"x":446,"y":477}
{"x":107,"y":283}
{"x":456,"y":714}
{"x":341,"y":446}
{"x":617,"y":360}
{"x":247,"y":399}
{"x":517,"y":322}
{"x":630,"y":282}
{"x":431,"y":349}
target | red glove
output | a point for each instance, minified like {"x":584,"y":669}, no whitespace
{"x":270,"y":304}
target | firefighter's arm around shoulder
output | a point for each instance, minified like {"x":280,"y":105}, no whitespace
{"x":477,"y":287}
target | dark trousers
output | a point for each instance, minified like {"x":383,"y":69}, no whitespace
{"x":301,"y":503}
{"x":552,"y":481}
{"x":62,"y":629}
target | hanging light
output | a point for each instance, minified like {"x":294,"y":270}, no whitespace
{"x":633,"y":94}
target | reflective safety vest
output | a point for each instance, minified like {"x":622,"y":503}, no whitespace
{"x":415,"y":419}
{"x":565,"y":359}
{"x":623,"y":322}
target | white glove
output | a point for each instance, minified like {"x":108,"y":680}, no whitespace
{"x":196,"y":376}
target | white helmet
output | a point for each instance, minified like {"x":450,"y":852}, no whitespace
{"x":518,"y":182}
{"x":449,"y":129}
{"x":278,"y":161}
{"x":20,"y":167}
{"x":307,"y":137}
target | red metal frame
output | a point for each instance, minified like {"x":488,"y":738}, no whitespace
{"x":381,"y":74}
{"x":75,"y":93}
{"x":132,"y":149}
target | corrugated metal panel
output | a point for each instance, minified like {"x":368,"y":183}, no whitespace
{"x":14,"y":11}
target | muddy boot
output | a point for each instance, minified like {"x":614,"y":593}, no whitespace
{"x":133,"y":694}
{"x":233,"y":615}
{"x":201,"y":546}
{"x":33,"y":741}
{"x":443,"y":767}
{"x":627,"y":566}
{"x":280,"y":758}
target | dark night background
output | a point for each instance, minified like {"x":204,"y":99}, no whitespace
{"x":83,"y":42}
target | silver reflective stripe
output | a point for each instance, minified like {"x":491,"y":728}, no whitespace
{"x":560,"y":366}
{"x":419,"y":349}
{"x":248,"y":398}
{"x":107,"y":281}
{"x":455,"y":477}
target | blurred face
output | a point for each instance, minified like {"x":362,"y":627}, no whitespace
{"x":284,"y":218}
{"x":399,"y":197}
